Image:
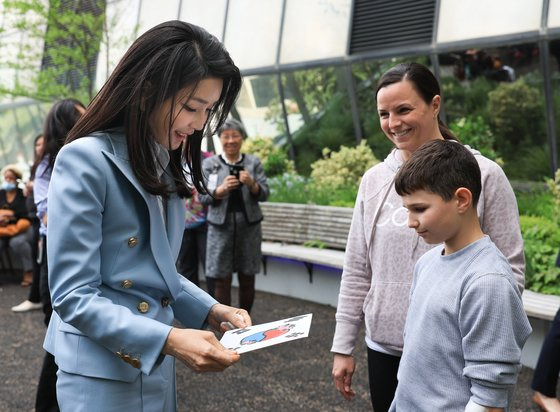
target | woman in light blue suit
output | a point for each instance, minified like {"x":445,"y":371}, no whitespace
{"x":115,"y":228}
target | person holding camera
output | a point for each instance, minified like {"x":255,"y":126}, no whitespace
{"x":236,"y":184}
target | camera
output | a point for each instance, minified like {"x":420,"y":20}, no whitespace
{"x":234,"y":170}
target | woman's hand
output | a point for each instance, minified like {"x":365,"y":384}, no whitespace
{"x":342,"y":371}
{"x":6,"y":215}
{"x":223,"y":317}
{"x":247,"y":180}
{"x":28,"y":188}
{"x":199,"y":350}
{"x":230,"y":183}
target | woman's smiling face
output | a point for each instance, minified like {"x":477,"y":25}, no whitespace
{"x":190,"y":113}
{"x":405,"y":117}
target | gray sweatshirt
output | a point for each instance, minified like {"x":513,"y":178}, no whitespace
{"x":379,"y":295}
{"x":464,"y":332}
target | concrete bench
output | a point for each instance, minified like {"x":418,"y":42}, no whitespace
{"x":540,"y":306}
{"x":287,"y":226}
{"x":300,"y":223}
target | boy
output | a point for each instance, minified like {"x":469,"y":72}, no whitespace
{"x":466,"y":325}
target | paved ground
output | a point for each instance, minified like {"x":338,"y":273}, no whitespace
{"x":291,"y":377}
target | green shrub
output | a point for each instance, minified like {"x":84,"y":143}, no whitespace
{"x":532,"y":162}
{"x":466,"y":97}
{"x":293,"y":188}
{"x":316,"y":243}
{"x":274,"y":159}
{"x":343,"y":168}
{"x":476,"y":133}
{"x":541,"y":238}
{"x":536,"y":202}
{"x":517,"y":116}
{"x":344,"y":196}
{"x":554,"y":186}
{"x":332,"y":128}
{"x":288,"y":188}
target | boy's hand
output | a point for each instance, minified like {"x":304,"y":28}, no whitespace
{"x":342,"y":371}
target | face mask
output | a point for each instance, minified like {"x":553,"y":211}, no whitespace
{"x":7,"y":186}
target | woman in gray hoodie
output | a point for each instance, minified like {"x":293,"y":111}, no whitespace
{"x":381,"y":249}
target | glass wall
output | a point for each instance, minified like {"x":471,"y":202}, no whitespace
{"x":319,"y":113}
{"x":24,"y":120}
{"x":258,"y":106}
{"x":315,"y":30}
{"x":494,"y":101}
{"x":493,"y":95}
{"x":255,"y":44}
{"x":554,"y":68}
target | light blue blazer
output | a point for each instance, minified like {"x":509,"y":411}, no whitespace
{"x":114,"y":287}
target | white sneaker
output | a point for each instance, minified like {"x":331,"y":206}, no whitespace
{"x":26,"y":306}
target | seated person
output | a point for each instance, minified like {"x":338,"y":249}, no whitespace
{"x":14,"y":221}
{"x":466,"y":325}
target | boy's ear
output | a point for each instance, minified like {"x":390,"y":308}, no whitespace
{"x":463,"y":197}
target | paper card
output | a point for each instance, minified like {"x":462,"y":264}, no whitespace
{"x":267,"y":334}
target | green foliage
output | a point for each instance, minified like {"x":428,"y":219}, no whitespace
{"x":531,"y":162}
{"x":541,"y":238}
{"x":536,"y":202}
{"x":343,"y":168}
{"x":517,"y":116}
{"x":274,"y":158}
{"x":288,"y":188}
{"x":554,"y":186}
{"x":332,"y":129}
{"x":316,"y":243}
{"x":326,"y":196}
{"x":72,"y":40}
{"x":474,"y":132}
{"x":293,"y":188}
{"x":466,"y":97}
{"x":316,"y":86}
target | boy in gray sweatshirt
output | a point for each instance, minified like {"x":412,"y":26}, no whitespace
{"x":466,"y":325}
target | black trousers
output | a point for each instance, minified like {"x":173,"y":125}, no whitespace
{"x":382,"y":371}
{"x":35,"y":288}
{"x":45,"y":400}
{"x":193,"y":251}
{"x":545,"y":378}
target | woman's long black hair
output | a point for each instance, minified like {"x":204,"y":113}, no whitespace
{"x":60,"y":119}
{"x":164,"y":60}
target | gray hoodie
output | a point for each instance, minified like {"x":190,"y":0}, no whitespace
{"x":379,"y":293}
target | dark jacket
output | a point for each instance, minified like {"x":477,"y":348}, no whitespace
{"x":218,"y":207}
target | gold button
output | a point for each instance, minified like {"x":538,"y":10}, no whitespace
{"x":165,"y":301}
{"x":120,"y":355}
{"x":126,"y":283}
{"x":132,"y":241}
{"x":143,"y":307}
{"x":126,"y":358}
{"x":135,"y":362}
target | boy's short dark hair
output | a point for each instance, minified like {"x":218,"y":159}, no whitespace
{"x":440,"y":167}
